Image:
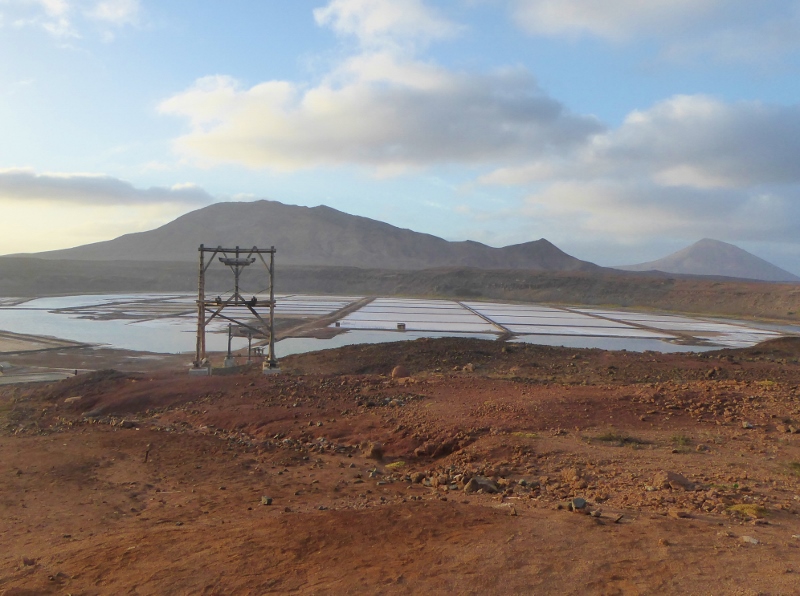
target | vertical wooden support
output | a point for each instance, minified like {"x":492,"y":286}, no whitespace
{"x":200,"y":352}
{"x":272,"y":362}
{"x":236,"y":271}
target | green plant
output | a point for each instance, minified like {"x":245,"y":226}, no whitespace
{"x":619,"y":439}
{"x":681,"y":440}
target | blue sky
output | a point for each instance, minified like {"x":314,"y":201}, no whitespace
{"x":620,"y":130}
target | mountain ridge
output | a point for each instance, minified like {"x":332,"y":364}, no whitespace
{"x":322,"y":236}
{"x":318,"y":236}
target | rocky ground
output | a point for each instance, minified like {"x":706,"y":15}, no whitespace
{"x":478,"y":467}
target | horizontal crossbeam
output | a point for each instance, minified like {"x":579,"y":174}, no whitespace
{"x":251,"y":251}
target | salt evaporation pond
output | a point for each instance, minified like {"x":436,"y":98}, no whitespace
{"x":166,"y":323}
{"x":171,"y":336}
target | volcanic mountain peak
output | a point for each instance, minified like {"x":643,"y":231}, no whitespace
{"x":713,"y":257}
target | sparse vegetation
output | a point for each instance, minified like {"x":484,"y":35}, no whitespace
{"x":619,"y":439}
{"x":525,"y":435}
{"x":681,"y":440}
{"x":748,"y":510}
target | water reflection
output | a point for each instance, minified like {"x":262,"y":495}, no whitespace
{"x":165,"y":323}
{"x":170,"y":336}
{"x":300,"y":345}
{"x":611,"y":343}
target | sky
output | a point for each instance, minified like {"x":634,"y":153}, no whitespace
{"x":619,"y":130}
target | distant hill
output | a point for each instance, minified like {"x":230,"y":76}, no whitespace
{"x":318,"y":236}
{"x":607,"y":288}
{"x":712,"y":257}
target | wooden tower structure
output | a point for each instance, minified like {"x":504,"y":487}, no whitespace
{"x":234,"y":307}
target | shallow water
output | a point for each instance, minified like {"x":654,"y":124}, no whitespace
{"x":300,"y":345}
{"x":57,"y":302}
{"x":561,"y":321}
{"x":170,"y":336}
{"x":164,"y":334}
{"x":630,"y":332}
{"x":159,"y":327}
{"x":480,"y":326}
{"x":610,"y":343}
{"x":417,"y":315}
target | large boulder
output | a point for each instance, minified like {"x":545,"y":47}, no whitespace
{"x":672,"y":480}
{"x":374,"y":451}
{"x":400,"y":372}
{"x":477,"y":483}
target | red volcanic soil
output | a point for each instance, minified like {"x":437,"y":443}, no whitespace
{"x":335,"y":478}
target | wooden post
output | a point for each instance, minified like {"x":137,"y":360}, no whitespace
{"x":200,"y":353}
{"x":271,"y":357}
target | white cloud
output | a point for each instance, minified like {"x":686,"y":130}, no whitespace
{"x":610,"y":19}
{"x":51,"y":16}
{"x":689,"y":141}
{"x":22,"y":185}
{"x":637,"y":210}
{"x":53,"y":8}
{"x":62,"y":18}
{"x":755,"y":43}
{"x":382,"y":107}
{"x":683,"y":31}
{"x":115,"y":12}
{"x":550,"y":168}
{"x":690,"y":166}
{"x":702,"y":142}
{"x":385,"y":22}
{"x":375,"y":111}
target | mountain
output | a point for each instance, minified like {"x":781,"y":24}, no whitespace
{"x":316,"y":236}
{"x":712,"y":257}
